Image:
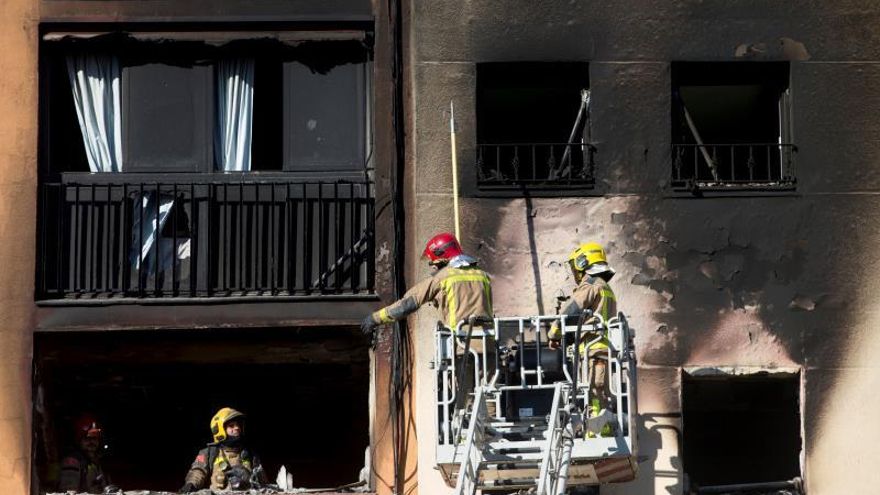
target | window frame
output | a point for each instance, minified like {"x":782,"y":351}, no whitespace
{"x":705,"y":155}
{"x":564,"y":186}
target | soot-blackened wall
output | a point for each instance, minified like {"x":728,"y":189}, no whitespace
{"x":757,"y":281}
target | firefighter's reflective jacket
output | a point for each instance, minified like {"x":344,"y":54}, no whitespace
{"x":227,"y":468}
{"x":458,"y":290}
{"x":595,"y":294}
{"x":79,"y":474}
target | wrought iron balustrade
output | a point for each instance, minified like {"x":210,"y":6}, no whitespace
{"x":733,"y":166}
{"x":553,"y":165}
{"x":213,"y":237}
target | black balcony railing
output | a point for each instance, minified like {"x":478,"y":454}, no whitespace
{"x":551,"y":165}
{"x":733,"y":166}
{"x":213,"y":237}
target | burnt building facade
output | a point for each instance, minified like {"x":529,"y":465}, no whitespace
{"x":723,"y":154}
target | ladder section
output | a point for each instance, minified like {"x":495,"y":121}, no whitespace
{"x":517,"y":455}
{"x":472,"y":451}
{"x":553,"y":476}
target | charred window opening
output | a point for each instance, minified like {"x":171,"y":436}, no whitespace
{"x":741,"y":429}
{"x":731,"y":126}
{"x":533,"y":125}
{"x":305,"y":393}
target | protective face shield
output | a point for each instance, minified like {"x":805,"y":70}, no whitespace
{"x":590,"y":259}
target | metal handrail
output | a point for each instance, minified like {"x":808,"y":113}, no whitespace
{"x":552,"y":164}
{"x":241,"y":236}
{"x":733,"y":164}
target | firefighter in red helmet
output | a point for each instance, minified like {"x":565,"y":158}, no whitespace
{"x":459,"y":289}
{"x":81,"y":471}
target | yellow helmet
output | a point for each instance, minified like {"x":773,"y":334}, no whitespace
{"x":588,"y":258}
{"x":218,"y":422}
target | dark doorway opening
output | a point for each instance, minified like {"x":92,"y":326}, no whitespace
{"x":305,"y":392}
{"x":741,"y":429}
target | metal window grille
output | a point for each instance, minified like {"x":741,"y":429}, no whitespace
{"x":747,"y":166}
{"x":551,"y":165}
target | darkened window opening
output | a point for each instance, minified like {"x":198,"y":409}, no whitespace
{"x":533,"y":125}
{"x":731,"y":126}
{"x":740,"y":429}
{"x":305,"y":392}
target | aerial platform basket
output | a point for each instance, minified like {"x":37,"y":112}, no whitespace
{"x":513,"y":414}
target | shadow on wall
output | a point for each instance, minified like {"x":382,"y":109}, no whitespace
{"x":658,"y":475}
{"x":746,"y":281}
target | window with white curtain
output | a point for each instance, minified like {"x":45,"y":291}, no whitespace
{"x":184,"y":106}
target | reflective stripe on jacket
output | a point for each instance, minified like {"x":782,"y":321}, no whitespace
{"x":595,"y":294}
{"x":457,"y":292}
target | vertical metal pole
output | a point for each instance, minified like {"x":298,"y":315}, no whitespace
{"x":308,"y":239}
{"x":273,"y":241}
{"x":62,"y":202}
{"x":454,"y":170}
{"x":140,"y":235}
{"x":256,"y":239}
{"x":322,"y":241}
{"x":157,"y":260}
{"x":174,"y":291}
{"x":92,"y":240}
{"x":126,"y":260}
{"x":194,"y":233}
{"x":75,"y":286}
{"x":242,"y":280}
{"x":354,"y":269}
{"x":337,"y":242}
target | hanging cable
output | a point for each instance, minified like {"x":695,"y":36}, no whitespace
{"x":400,"y":345}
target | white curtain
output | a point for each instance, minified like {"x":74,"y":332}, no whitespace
{"x":235,"y":108}
{"x":148,"y":222}
{"x":95,"y":80}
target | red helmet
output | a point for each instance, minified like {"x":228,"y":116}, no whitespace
{"x":442,"y":248}
{"x":87,"y":426}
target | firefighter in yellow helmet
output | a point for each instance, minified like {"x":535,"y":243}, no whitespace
{"x":591,"y":271}
{"x":225,"y":464}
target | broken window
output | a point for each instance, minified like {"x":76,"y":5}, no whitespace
{"x":305,"y":393}
{"x":533,"y":125}
{"x":731,"y":126}
{"x":741,"y":429}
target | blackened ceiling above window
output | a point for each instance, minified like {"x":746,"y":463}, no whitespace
{"x":205,"y":10}
{"x":212,"y":37}
{"x":318,"y":50}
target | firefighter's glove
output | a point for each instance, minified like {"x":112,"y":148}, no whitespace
{"x":368,"y":326}
{"x":238,"y":478}
{"x":553,"y":336}
{"x":187,"y":488}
